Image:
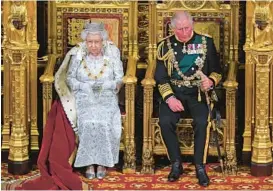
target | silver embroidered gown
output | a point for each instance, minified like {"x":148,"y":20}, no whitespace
{"x":98,"y":113}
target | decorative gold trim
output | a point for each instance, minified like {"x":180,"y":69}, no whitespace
{"x":142,"y":66}
{"x":216,"y":77}
{"x":165,"y":90}
{"x":160,"y":51}
{"x":209,"y":126}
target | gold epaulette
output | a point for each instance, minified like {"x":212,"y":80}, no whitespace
{"x":216,"y":77}
{"x":160,"y":50}
{"x":207,"y":35}
{"x":204,"y":34}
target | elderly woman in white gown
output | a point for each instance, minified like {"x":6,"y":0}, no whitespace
{"x":94,"y":77}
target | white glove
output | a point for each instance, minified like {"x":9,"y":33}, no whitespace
{"x":85,"y":87}
{"x":110,"y":85}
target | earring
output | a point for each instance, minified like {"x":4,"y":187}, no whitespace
{"x":104,"y":44}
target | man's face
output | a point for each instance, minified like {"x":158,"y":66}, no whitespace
{"x":183,"y":29}
{"x":94,"y":44}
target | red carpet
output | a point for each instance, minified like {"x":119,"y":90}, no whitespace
{"x":118,"y":181}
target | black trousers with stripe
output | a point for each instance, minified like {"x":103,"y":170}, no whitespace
{"x":168,"y":119}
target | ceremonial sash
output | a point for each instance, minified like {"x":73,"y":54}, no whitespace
{"x":188,"y":60}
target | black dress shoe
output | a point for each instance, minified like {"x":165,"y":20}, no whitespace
{"x":176,"y":171}
{"x":201,"y":174}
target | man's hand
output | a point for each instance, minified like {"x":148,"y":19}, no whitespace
{"x":175,"y":105}
{"x":206,"y":83}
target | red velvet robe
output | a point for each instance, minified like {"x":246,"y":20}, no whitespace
{"x":59,"y":143}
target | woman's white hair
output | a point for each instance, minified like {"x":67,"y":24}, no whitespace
{"x":94,"y":28}
{"x":180,"y":15}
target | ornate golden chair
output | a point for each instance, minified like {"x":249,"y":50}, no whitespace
{"x":211,"y":18}
{"x":66,"y":20}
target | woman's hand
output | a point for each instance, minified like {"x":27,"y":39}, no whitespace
{"x":110,"y":85}
{"x":97,"y":85}
{"x":85,"y":87}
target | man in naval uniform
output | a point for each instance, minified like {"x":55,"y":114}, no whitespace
{"x":187,"y":66}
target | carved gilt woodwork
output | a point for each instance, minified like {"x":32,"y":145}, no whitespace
{"x":261,"y":142}
{"x":20,"y":79}
{"x":258,"y":87}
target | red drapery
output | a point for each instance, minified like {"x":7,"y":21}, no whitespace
{"x":58,"y":144}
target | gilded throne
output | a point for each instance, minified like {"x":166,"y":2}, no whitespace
{"x":66,"y":21}
{"x":210,"y":18}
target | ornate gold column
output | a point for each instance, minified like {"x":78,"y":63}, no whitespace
{"x":261,"y":161}
{"x":231,"y":85}
{"x":20,"y":55}
{"x":47,"y":78}
{"x":259,"y":53}
{"x":148,"y":84}
{"x":271,"y":102}
{"x":249,"y":77}
{"x":130,"y":81}
{"x":249,"y":106}
{"x":32,"y":82}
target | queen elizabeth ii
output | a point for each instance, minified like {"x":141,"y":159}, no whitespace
{"x":87,"y":83}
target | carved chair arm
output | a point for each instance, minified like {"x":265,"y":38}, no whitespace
{"x":231,"y":82}
{"x":130,"y":75}
{"x":48,"y":76}
{"x":149,"y":75}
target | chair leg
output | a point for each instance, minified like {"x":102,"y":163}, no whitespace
{"x":129,"y":158}
{"x":147,"y":158}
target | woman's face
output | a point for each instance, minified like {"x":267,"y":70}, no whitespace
{"x":94,"y":44}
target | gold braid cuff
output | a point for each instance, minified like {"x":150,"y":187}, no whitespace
{"x":165,"y":90}
{"x":216,"y":77}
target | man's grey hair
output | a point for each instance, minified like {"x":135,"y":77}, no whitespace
{"x":94,"y":29}
{"x":180,"y":15}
